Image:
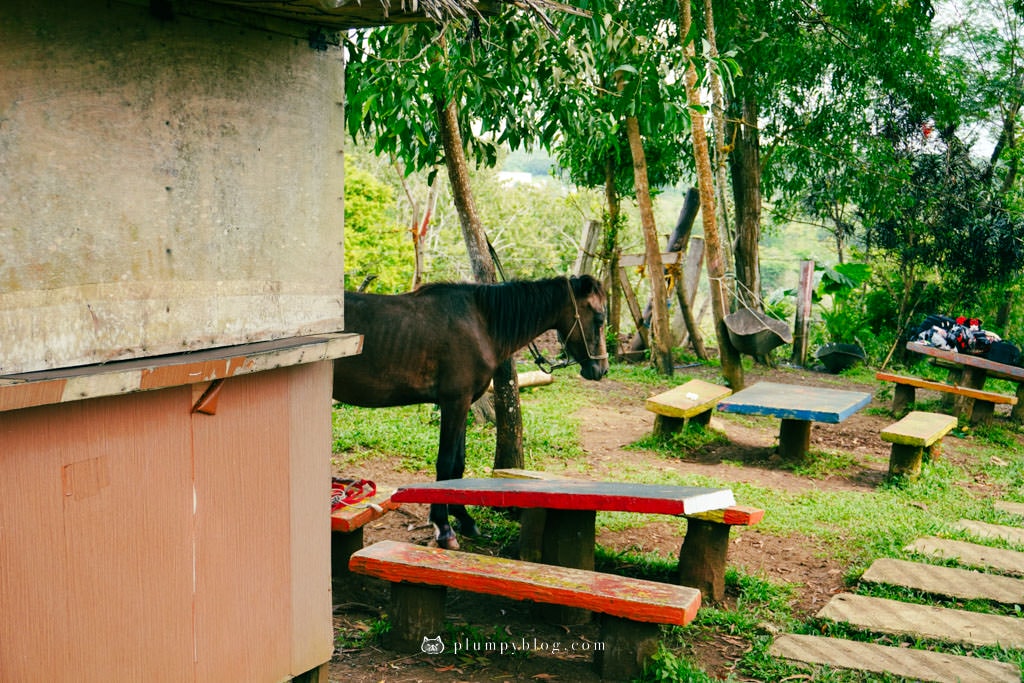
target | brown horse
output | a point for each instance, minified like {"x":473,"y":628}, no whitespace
{"x":442,"y":343}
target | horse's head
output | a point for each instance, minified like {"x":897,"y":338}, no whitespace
{"x":582,"y":331}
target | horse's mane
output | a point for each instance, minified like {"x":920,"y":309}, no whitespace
{"x":518,"y":306}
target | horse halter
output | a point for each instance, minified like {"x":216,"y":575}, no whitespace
{"x":567,"y":361}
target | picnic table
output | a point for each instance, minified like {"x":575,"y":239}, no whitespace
{"x":972,"y":371}
{"x":798,"y":406}
{"x":571,"y":507}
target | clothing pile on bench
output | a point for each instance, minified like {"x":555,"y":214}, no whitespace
{"x":965,"y":335}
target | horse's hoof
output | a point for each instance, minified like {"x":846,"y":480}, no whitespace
{"x":450,"y":543}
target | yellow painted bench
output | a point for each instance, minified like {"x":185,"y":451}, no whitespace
{"x":916,"y":433}
{"x":690,"y":402}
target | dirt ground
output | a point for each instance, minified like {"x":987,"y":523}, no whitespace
{"x":615,"y":419}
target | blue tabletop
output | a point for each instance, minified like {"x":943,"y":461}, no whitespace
{"x":796,"y":402}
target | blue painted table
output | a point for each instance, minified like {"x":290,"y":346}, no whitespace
{"x":798,"y":406}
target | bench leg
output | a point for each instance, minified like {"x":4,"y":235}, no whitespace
{"x":417,"y":612}
{"x":702,"y":419}
{"x":902,"y":398}
{"x":627,"y":646}
{"x":343,"y":544}
{"x":982,"y":412}
{"x":905,"y":462}
{"x":667,"y":426}
{"x":316,"y":675}
{"x":702,"y":557}
{"x":568,"y":542}
{"x":794,"y":439}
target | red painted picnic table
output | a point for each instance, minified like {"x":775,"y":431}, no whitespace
{"x":570,"y":509}
{"x":571,"y":505}
{"x":798,"y":406}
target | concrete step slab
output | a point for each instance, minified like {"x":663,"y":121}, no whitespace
{"x":966,"y":584}
{"x":925,"y":621}
{"x":921,"y":665}
{"x":1010,"y":534}
{"x":1010,"y":507}
{"x":970,"y":554}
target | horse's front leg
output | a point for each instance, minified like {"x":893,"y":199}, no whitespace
{"x":451,"y":463}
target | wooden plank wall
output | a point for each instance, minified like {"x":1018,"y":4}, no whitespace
{"x":142,"y":541}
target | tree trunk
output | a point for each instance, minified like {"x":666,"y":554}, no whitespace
{"x":661,"y":328}
{"x":611,"y":252}
{"x":732,"y":367}
{"x":746,"y":183}
{"x":507,"y":412}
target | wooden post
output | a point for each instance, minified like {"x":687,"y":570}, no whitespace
{"x":568,"y":542}
{"x":803,"y":313}
{"x":626,"y":648}
{"x":702,"y":557}
{"x":588,"y":247}
{"x":417,"y":612}
{"x":905,"y":462}
{"x":794,"y":439}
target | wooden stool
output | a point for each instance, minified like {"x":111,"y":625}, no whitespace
{"x":690,"y":402}
{"x":910,"y":437}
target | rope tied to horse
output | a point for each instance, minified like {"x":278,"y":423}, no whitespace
{"x":346,"y":492}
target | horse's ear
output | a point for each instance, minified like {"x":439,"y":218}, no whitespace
{"x":585,"y":285}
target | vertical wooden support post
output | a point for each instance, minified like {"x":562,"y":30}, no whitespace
{"x":702,"y":557}
{"x":902,"y":398}
{"x":343,"y":544}
{"x":626,"y":647}
{"x":417,"y":612}
{"x":803,"y":313}
{"x":588,"y":247}
{"x":794,"y":439}
{"x":905,"y":462}
{"x":568,"y":542}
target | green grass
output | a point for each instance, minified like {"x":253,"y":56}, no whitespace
{"x":850,"y":527}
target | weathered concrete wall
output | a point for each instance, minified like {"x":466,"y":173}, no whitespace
{"x":165,"y":185}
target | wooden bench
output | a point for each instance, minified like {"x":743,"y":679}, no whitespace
{"x":690,"y":402}
{"x":910,"y":437}
{"x":984,"y":401}
{"x":702,"y":556}
{"x":347,"y":527}
{"x":631,"y":609}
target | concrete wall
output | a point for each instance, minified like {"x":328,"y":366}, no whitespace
{"x":165,"y":185}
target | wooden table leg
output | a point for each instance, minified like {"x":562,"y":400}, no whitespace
{"x":794,"y":439}
{"x":1017,"y":411}
{"x":975,"y":379}
{"x":568,"y":542}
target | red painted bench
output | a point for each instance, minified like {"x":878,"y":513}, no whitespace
{"x":347,"y":527}
{"x":631,"y":609}
{"x":702,"y":557}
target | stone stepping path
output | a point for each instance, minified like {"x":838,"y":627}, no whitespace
{"x":922,"y":665}
{"x":926,"y":621}
{"x":966,"y":584}
{"x":970,"y":554}
{"x":1012,"y":508}
{"x":1010,"y":534}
